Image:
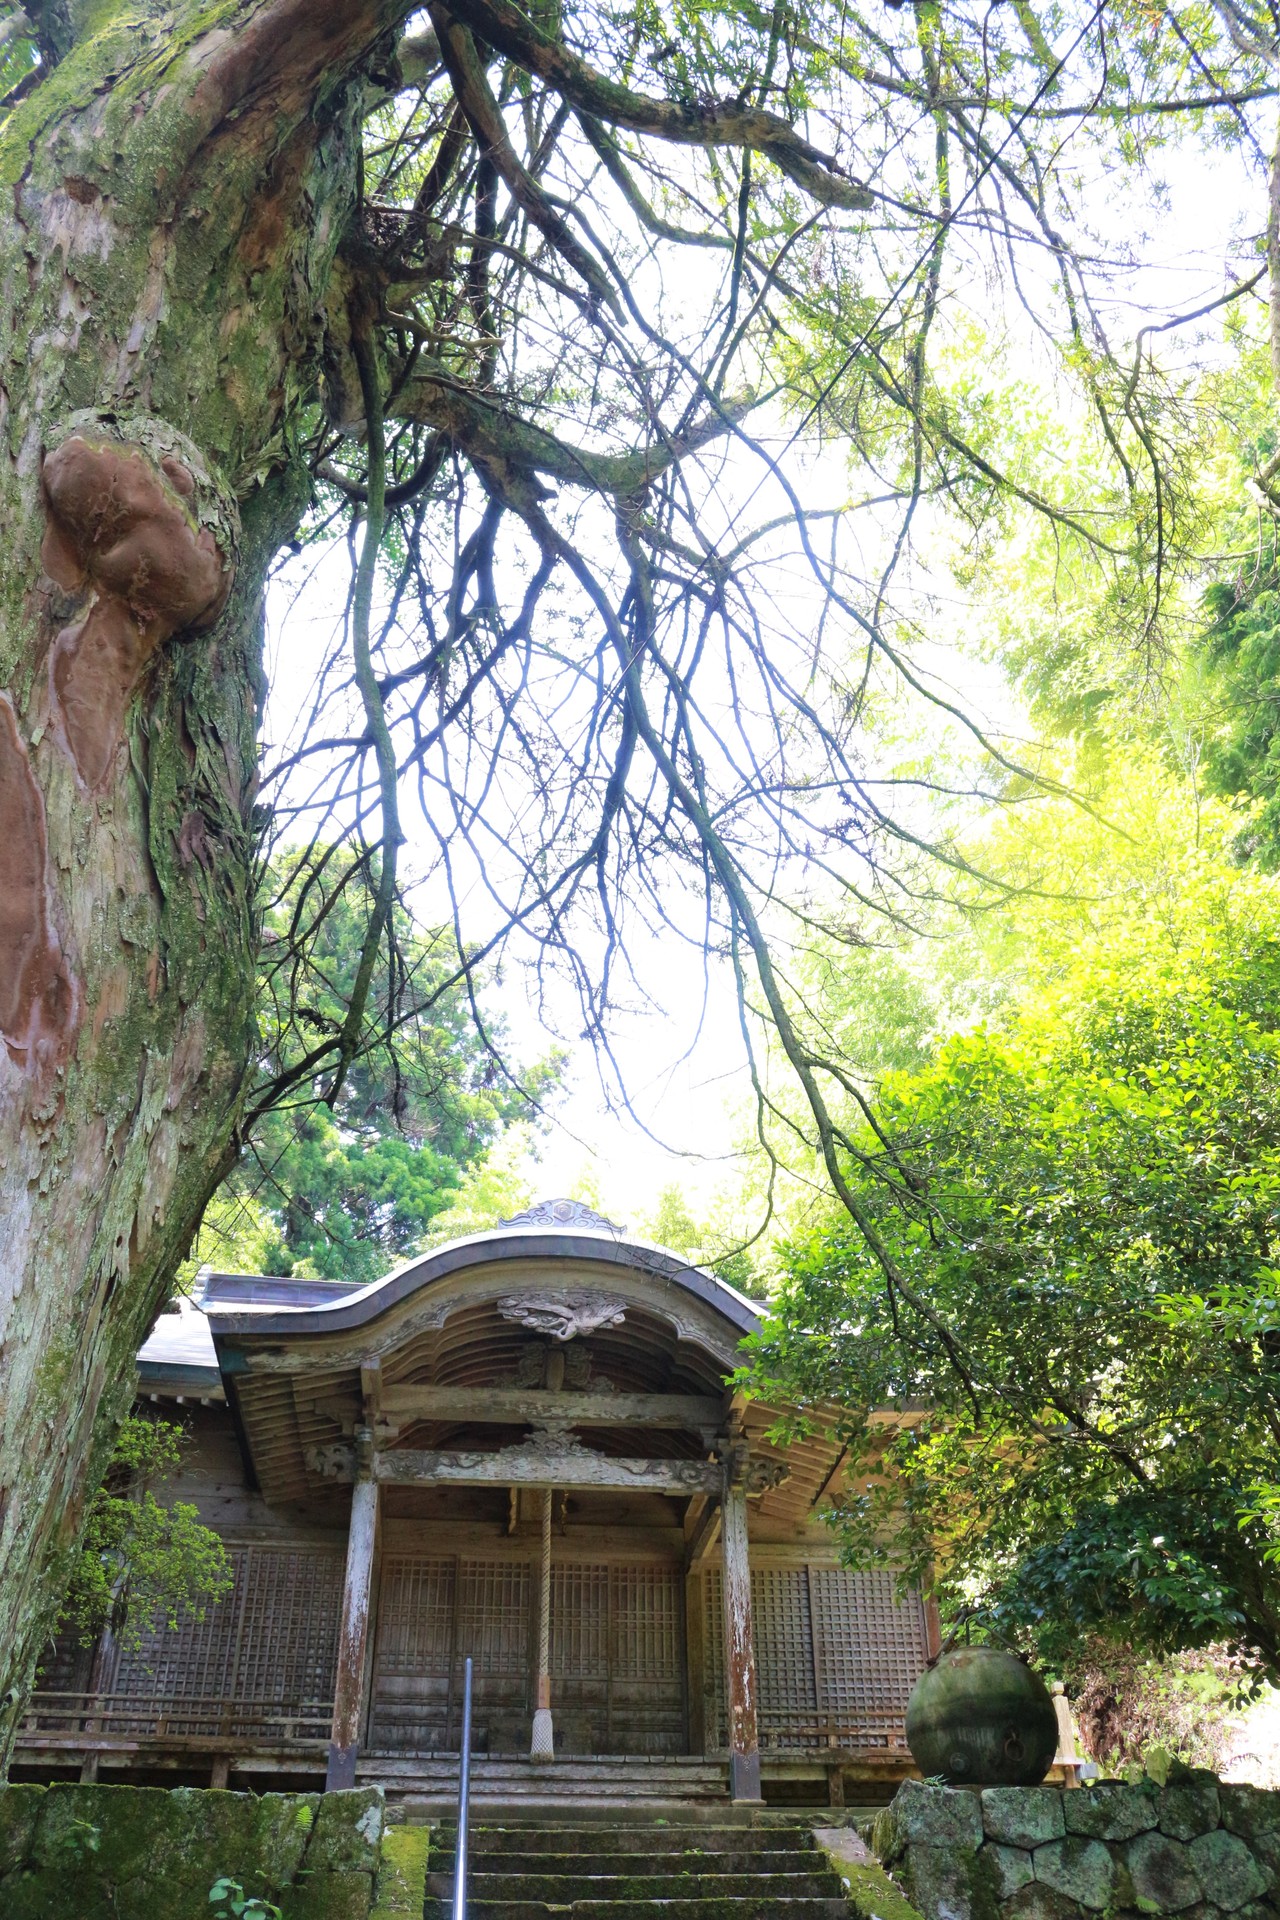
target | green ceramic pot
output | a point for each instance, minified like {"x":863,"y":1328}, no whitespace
{"x":981,"y":1718}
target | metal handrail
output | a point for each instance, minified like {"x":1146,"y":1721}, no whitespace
{"x":464,"y":1802}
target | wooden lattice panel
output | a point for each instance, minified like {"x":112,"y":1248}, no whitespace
{"x":647,"y":1707}
{"x":648,"y":1625}
{"x":581,"y":1643}
{"x":273,"y":1639}
{"x":495,"y":1627}
{"x":785,"y":1677}
{"x":198,"y":1657}
{"x":870,"y":1650}
{"x":493,"y":1616}
{"x":291,"y":1615}
{"x":617,"y":1655}
{"x":836,"y":1657}
{"x":579,"y":1623}
{"x":413,"y":1654}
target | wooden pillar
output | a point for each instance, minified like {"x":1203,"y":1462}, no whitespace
{"x":739,"y":1646}
{"x":353,"y":1642}
{"x":543,"y":1744}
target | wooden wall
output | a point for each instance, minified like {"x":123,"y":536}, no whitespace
{"x":637,"y":1653}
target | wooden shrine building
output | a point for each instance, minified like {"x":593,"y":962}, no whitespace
{"x":520,"y":1447}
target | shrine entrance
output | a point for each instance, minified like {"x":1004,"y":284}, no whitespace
{"x":617,"y":1644}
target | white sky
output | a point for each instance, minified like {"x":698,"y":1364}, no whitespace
{"x":683,"y":1062}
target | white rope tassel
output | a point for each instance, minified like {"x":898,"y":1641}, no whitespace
{"x":543,"y":1745}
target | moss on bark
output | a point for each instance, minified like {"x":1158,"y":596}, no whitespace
{"x":175,"y":190}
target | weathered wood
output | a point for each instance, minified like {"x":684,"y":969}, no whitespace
{"x":353,"y":1641}
{"x":571,"y":1467}
{"x":739,"y":1646}
{"x":695,"y":1645}
{"x":702,"y":1530}
{"x":932,"y":1627}
{"x":371,"y":1392}
{"x":530,"y":1406}
{"x":550,"y":1462}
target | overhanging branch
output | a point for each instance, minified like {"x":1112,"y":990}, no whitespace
{"x":486,"y":430}
{"x":715,"y":123}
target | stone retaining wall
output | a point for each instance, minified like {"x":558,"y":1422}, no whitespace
{"x":145,"y":1853}
{"x":1186,"y":1844}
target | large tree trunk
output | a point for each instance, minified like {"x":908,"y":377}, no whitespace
{"x":173,"y":192}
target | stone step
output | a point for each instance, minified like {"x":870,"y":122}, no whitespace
{"x":565,"y":1889}
{"x":712,"y":1863}
{"x":486,"y":1766}
{"x":631,"y":1839}
{"x":713,"y":1907}
{"x":500,"y":1784}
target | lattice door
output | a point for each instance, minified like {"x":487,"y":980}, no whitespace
{"x":785,"y":1677}
{"x":617,"y":1656}
{"x":413,"y":1655}
{"x":580,"y":1662}
{"x":292,"y":1615}
{"x":495,"y":1626}
{"x":836,"y":1657}
{"x":870,"y":1650}
{"x":647,"y":1709}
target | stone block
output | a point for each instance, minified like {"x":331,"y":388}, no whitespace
{"x":887,"y":1842}
{"x":1189,"y":1808}
{"x":1023,"y":1816}
{"x":181,"y":1839}
{"x":939,"y":1881}
{"x":1112,"y":1810}
{"x":1229,"y":1875}
{"x":1266,"y":1847}
{"x":1164,"y":1880}
{"x":1037,"y":1902}
{"x":1011,"y":1867}
{"x":1249,"y":1810}
{"x":115,"y":1831}
{"x":281,"y":1826}
{"x":348,"y":1832}
{"x":928,"y":1816}
{"x":401,"y":1887}
{"x":47,"y":1895}
{"x":1081,"y":1869}
{"x":19,"y":1810}
{"x":329,"y":1896}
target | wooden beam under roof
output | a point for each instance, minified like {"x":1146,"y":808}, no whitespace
{"x":532,"y":1406}
{"x":537,"y":1465}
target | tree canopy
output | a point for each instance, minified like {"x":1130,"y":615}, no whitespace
{"x":1080,"y":1201}
{"x":351,"y":1184}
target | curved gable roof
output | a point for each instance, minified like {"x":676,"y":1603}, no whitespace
{"x":613,"y":1253}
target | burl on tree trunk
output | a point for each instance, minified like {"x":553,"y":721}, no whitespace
{"x":174,"y":191}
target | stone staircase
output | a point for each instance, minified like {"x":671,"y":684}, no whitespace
{"x":599,"y":1788}
{"x":639,"y":1871}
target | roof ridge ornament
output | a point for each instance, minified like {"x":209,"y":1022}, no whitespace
{"x":563,"y":1312}
{"x":562,"y":1213}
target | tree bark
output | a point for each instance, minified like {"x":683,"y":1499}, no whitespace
{"x":175,"y":189}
